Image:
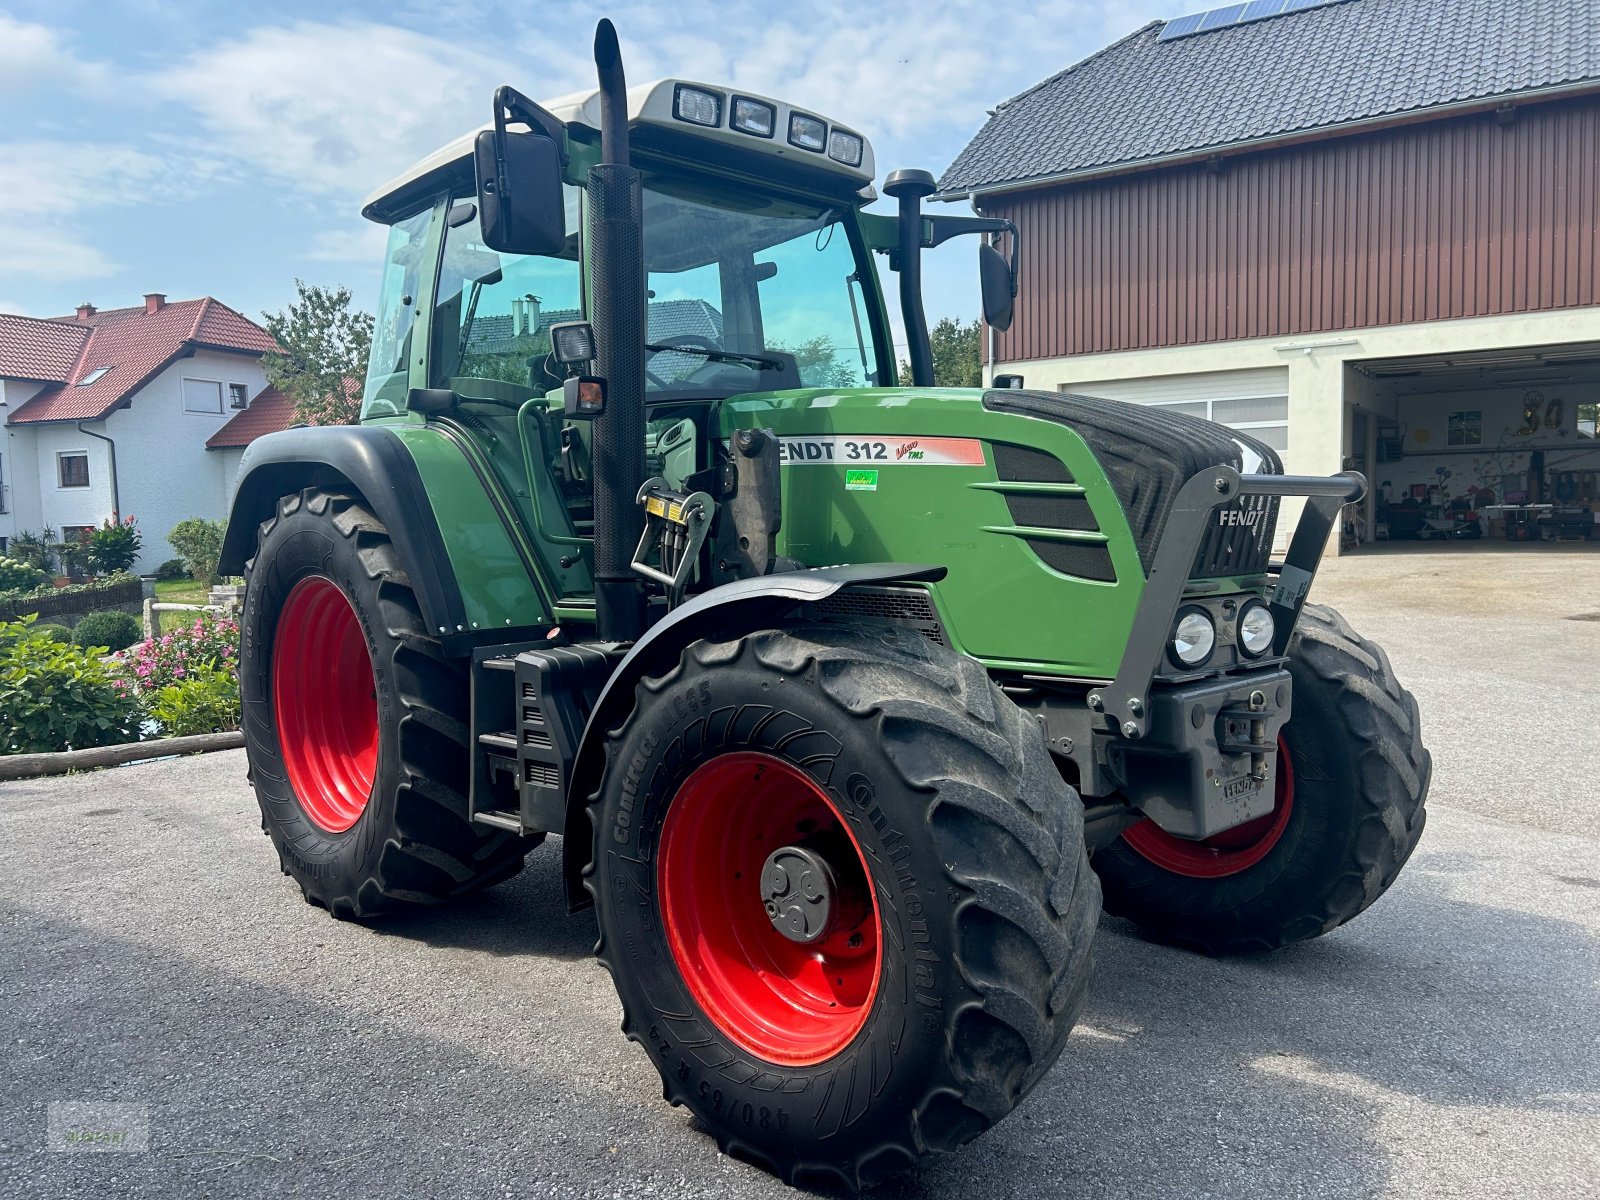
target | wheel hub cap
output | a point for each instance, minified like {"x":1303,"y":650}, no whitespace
{"x":797,"y":889}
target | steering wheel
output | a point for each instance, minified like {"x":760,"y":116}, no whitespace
{"x":681,"y":341}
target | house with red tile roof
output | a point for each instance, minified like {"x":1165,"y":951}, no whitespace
{"x":142,"y":411}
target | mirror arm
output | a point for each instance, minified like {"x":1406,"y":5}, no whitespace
{"x":512,"y":105}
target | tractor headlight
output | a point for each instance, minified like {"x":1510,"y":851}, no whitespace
{"x":807,"y":132}
{"x":845,"y":148}
{"x":697,"y":106}
{"x":1257,"y":629}
{"x":753,"y":117}
{"x":1193,"y":638}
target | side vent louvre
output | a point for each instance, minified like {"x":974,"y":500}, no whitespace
{"x":1042,"y":508}
{"x":908,"y":605}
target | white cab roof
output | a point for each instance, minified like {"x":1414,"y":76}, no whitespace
{"x":650,"y":104}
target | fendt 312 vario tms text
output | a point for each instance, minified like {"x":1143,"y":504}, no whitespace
{"x":831,"y":683}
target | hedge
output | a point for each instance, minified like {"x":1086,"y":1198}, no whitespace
{"x":76,"y":599}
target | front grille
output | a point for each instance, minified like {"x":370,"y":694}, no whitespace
{"x":907,"y":605}
{"x":1242,"y":549}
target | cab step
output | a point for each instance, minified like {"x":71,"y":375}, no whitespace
{"x":530,"y":704}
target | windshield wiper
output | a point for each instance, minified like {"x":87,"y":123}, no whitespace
{"x":762,"y":363}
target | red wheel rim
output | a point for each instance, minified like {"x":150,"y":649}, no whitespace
{"x":1229,"y":852}
{"x":778,"y":999}
{"x":325,"y":704}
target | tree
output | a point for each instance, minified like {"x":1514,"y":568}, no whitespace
{"x":957,"y":354}
{"x":820,"y":363}
{"x":324,"y":349}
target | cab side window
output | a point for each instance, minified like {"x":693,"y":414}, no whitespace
{"x":389,"y":360}
{"x":492,"y":318}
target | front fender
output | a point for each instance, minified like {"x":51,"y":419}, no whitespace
{"x":729,"y":611}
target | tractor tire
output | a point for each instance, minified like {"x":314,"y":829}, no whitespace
{"x":1353,"y":779}
{"x":957,"y":958}
{"x":355,"y":723}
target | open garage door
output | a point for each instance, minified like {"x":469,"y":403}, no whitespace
{"x":1478,"y":449}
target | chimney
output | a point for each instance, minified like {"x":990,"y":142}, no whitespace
{"x":154,"y":302}
{"x":85,"y":311}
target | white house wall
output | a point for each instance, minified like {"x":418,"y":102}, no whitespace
{"x":19,"y":463}
{"x":165,"y":473}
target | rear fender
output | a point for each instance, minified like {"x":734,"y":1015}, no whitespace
{"x":380,"y":466}
{"x":729,"y":611}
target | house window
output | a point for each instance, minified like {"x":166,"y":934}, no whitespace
{"x":72,"y":469}
{"x":238,"y":395}
{"x":75,"y":535}
{"x":93,"y":376}
{"x":202,"y":396}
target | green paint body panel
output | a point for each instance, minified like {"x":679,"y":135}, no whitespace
{"x":496,"y":590}
{"x":1000,"y":603}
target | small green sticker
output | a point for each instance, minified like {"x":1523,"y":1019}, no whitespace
{"x":860,"y":481}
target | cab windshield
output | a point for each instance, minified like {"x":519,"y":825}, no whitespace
{"x":747,"y":292}
{"x":750,"y":292}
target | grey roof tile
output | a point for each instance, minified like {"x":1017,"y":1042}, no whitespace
{"x":1142,"y":98}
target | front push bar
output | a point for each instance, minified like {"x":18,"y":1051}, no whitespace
{"x":1125,"y":702}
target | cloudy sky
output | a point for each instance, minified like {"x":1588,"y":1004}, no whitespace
{"x":224,"y":148}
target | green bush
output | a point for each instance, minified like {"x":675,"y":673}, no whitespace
{"x":56,"y":697}
{"x":35,"y":549}
{"x":110,"y":629}
{"x":17,"y":576}
{"x":173,"y":568}
{"x":56,"y":633}
{"x":199,"y":543}
{"x":114,"y":546}
{"x":206,"y":701}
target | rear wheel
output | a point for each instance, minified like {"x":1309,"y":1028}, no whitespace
{"x":1352,"y":782}
{"x":843,"y":894}
{"x":355,"y":723}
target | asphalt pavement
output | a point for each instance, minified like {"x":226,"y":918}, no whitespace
{"x":1447,"y":1043}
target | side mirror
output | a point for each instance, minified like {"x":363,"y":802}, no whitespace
{"x":520,"y":204}
{"x":998,"y":286}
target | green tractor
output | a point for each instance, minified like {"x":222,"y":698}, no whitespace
{"x":848,"y":696}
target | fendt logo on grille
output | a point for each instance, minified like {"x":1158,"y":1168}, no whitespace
{"x":1234,"y":516}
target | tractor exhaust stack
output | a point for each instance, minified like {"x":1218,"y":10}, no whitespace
{"x":909,"y":187}
{"x":617,"y":312}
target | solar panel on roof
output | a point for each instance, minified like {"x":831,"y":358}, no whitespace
{"x":1218,"y":17}
{"x":1179,"y":26}
{"x":1236,"y":14}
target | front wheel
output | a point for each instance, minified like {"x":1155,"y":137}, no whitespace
{"x":843,"y":894}
{"x":1352,"y":782}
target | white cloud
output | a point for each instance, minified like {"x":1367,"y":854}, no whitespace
{"x":361,"y":243}
{"x":59,"y":179}
{"x":335,"y":109}
{"x":48,"y":252}
{"x":32,"y":54}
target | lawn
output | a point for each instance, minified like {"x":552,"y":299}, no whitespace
{"x":178,"y":591}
